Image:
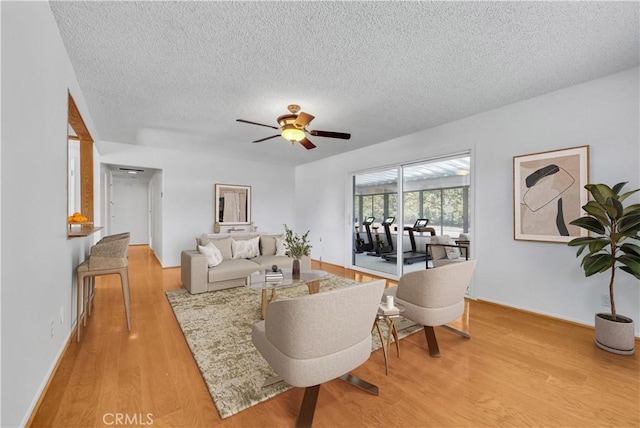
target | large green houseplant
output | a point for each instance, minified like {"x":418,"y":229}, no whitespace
{"x":610,"y":248}
{"x":296,"y":247}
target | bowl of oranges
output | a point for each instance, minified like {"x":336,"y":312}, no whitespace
{"x":78,"y":220}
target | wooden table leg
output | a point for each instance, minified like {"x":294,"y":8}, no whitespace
{"x":394,"y":331}
{"x":264,"y":303}
{"x":313,"y":286}
{"x":385,"y":347}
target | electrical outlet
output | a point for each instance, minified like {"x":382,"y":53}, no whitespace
{"x":52,"y":326}
{"x":604,"y":300}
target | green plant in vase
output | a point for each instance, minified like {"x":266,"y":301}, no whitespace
{"x":609,"y":249}
{"x":296,"y":247}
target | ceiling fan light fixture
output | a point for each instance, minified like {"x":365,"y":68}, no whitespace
{"x":291,"y":133}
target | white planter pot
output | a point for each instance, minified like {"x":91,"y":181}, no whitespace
{"x":615,"y":336}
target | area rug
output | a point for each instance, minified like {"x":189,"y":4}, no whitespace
{"x":217,"y":327}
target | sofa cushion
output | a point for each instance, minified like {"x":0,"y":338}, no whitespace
{"x":245,"y":248}
{"x":438,"y":252}
{"x":214,"y":256}
{"x":223,"y":244}
{"x":232,"y":269}
{"x":268,"y":244}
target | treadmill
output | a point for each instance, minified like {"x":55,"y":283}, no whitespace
{"x":414,"y":255}
{"x":381,"y":247}
{"x":362,"y":246}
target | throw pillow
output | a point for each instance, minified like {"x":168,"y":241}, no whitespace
{"x":452,"y":252}
{"x":280,"y":248}
{"x":268,"y":244}
{"x":245,"y":248}
{"x":438,"y":252}
{"x":214,"y":256}
{"x":222,"y":244}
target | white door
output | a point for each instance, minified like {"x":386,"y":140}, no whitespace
{"x":130,"y":209}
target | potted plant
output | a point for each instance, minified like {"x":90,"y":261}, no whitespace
{"x":610,"y":249}
{"x":297,"y":247}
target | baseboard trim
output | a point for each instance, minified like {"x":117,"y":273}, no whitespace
{"x":539,"y":314}
{"x":52,"y":373}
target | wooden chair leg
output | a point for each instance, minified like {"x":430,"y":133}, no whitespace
{"x":432,"y":342}
{"x":308,"y":408}
{"x":92,"y":289}
{"x":124,"y":279}
{"x":85,"y":300}
{"x":79,"y":291}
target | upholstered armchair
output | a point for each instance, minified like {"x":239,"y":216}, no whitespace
{"x":444,"y":250}
{"x":434,"y":297}
{"x":313,"y":339}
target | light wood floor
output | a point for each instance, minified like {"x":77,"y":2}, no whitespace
{"x":517,"y":370}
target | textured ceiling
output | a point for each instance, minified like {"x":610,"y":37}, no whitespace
{"x":178,"y":74}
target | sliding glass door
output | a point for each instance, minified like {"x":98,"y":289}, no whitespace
{"x":375,"y":208}
{"x":435,"y":200}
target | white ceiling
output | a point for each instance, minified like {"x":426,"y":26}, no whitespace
{"x":178,"y":74}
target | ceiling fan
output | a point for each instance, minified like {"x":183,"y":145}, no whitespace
{"x":293,"y":128}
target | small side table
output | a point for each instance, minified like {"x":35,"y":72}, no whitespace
{"x":389,"y":320}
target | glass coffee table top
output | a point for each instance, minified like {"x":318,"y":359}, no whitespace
{"x":257,"y":282}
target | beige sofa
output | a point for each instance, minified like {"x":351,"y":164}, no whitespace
{"x":198,"y":277}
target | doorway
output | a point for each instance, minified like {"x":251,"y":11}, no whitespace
{"x":131,"y":203}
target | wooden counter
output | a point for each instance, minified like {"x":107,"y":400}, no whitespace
{"x":80,"y":232}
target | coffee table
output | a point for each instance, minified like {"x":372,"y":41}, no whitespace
{"x":256,"y":281}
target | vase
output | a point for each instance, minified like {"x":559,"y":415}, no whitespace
{"x":615,"y":336}
{"x":295,"y":269}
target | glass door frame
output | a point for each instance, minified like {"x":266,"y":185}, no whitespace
{"x":351,"y":251}
{"x":400,"y":168}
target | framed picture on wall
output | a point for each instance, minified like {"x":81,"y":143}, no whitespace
{"x":232,"y":204}
{"x":548,"y":193}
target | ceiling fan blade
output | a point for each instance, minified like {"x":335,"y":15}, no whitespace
{"x":307,"y":144}
{"x":256,"y":123}
{"x":303,"y":120}
{"x":265,"y":139}
{"x":330,"y":134}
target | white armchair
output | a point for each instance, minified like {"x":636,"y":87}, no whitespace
{"x":434,"y":297}
{"x":313,"y":339}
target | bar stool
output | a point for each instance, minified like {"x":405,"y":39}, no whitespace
{"x":106,"y":258}
{"x":91,"y":287}
{"x":114,"y":237}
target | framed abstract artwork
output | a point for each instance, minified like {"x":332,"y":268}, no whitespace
{"x":232,"y":204}
{"x":548,"y":193}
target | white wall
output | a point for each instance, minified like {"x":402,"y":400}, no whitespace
{"x":37,"y":259}
{"x":188,"y":191}
{"x":156,"y":192}
{"x":541,"y":277}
